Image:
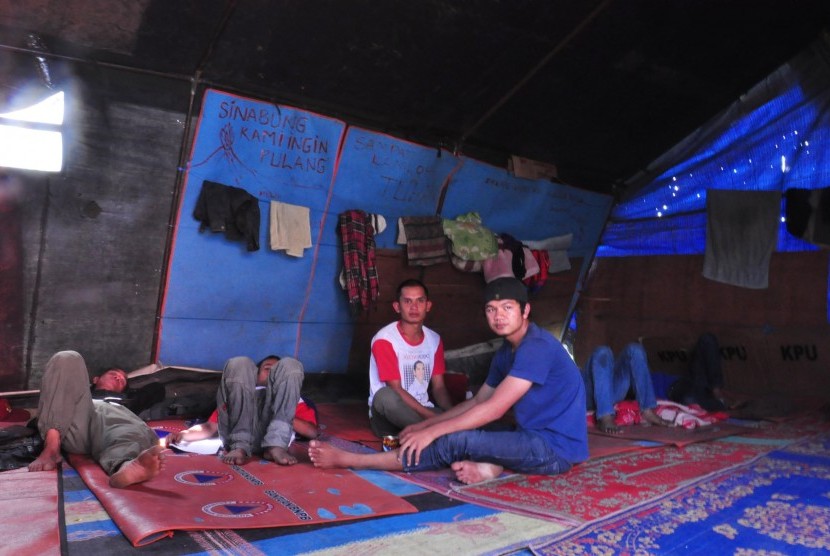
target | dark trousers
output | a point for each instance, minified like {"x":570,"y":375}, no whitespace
{"x":705,"y":375}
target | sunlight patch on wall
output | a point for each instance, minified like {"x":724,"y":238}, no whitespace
{"x":33,"y":148}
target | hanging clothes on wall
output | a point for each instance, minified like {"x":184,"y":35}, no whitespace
{"x":359,"y":267}
{"x":534,"y":282}
{"x":513,"y":260}
{"x":465,"y":265}
{"x":741,"y":232}
{"x":531,"y":264}
{"x":231,"y":210}
{"x":557,"y":249}
{"x":290,"y":228}
{"x":506,"y":241}
{"x":500,"y":266}
{"x":471,"y":240}
{"x":808,"y":214}
{"x":424,"y":238}
{"x":378,"y":222}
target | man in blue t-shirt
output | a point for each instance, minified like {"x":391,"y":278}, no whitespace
{"x":531,"y":374}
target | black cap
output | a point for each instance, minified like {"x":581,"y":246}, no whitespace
{"x":505,"y":288}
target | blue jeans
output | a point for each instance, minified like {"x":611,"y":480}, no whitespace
{"x":520,"y":451}
{"x":608,"y":381}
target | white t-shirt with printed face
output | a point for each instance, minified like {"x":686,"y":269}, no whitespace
{"x":402,"y":362}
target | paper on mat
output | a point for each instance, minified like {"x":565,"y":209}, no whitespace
{"x":208,"y":446}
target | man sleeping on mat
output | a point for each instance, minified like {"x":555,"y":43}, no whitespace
{"x":112,"y":386}
{"x":258,"y":408}
{"x":609,"y":380}
{"x":531,"y":373}
{"x":69,"y":419}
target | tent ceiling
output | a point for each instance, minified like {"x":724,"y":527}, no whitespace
{"x":598,"y":87}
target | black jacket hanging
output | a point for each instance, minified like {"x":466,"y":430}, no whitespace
{"x":231,"y":210}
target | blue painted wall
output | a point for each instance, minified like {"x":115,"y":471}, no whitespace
{"x":527,"y":209}
{"x":221,"y":300}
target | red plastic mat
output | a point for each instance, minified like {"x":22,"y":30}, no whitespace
{"x":201,"y":492}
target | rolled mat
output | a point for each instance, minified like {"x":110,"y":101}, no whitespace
{"x":196,"y":492}
{"x":602,"y":446}
{"x":677,"y":436}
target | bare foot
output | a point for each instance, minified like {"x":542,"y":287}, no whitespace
{"x":607,"y":425}
{"x":147,"y":465}
{"x":326,"y":456}
{"x":50,"y":457}
{"x":237,"y":456}
{"x":279,"y":455}
{"x":655,"y":419}
{"x":471,"y":472}
{"x":46,"y":462}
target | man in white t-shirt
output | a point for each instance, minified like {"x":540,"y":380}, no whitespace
{"x":406,"y":355}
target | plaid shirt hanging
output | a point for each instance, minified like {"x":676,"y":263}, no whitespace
{"x":360,"y":270}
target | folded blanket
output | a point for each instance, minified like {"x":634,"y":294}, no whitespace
{"x":687,"y":416}
{"x":425,"y":241}
{"x":627,"y":412}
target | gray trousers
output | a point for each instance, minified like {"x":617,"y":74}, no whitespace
{"x":251,"y":419}
{"x":109,"y":433}
{"x":390,"y":415}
